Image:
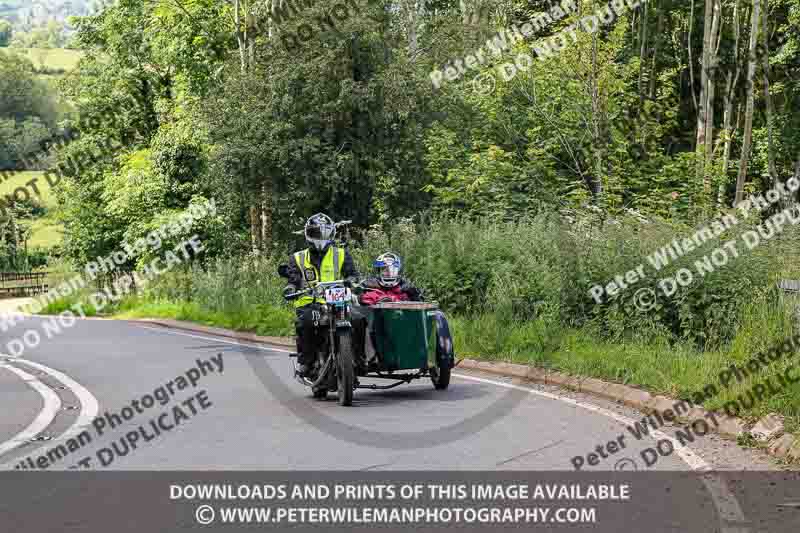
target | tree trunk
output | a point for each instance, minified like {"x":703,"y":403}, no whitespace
{"x":266,"y":216}
{"x":412,"y":8}
{"x":597,"y":126}
{"x":705,"y":117}
{"x":773,"y":172}
{"x":731,"y":82}
{"x":710,"y":94}
{"x":642,"y":51}
{"x":691,"y":59}
{"x":255,"y":233}
{"x":237,"y":21}
{"x":748,"y":118}
{"x":653,"y":65}
{"x":708,"y":19}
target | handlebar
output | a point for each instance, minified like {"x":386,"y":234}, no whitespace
{"x":336,"y":224}
{"x":321,"y":285}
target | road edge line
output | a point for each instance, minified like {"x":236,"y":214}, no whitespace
{"x":51,"y":407}
{"x":89,"y":404}
{"x":782,"y":446}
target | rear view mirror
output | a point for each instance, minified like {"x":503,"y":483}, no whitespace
{"x":283,"y":271}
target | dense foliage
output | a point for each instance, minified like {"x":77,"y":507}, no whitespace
{"x":27,"y":114}
{"x":512,"y":194}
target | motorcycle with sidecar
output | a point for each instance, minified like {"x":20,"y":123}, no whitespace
{"x":398,"y":341}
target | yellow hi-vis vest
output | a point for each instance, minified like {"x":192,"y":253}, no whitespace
{"x":331,"y":266}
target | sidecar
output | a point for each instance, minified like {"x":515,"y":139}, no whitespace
{"x":406,"y":341}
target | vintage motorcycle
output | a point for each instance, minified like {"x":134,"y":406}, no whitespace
{"x":408,"y":341}
{"x":334,"y":367}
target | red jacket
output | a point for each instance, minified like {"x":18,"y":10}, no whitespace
{"x":373,"y":296}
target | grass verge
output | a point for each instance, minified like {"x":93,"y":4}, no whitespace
{"x":654,"y":364}
{"x":262,"y":320}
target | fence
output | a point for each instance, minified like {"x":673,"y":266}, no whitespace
{"x":110,"y":279}
{"x":13,"y":284}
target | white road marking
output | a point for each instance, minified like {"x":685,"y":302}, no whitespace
{"x":89,"y":405}
{"x":52,"y":404}
{"x":689,"y":457}
{"x":724,"y":501}
{"x":216,"y":339}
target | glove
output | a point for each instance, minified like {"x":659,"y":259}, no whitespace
{"x":412,"y":292}
{"x":289,"y":289}
{"x":371,"y":283}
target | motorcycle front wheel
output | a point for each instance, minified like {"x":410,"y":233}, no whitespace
{"x":345,"y":373}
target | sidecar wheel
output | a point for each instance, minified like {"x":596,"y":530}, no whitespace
{"x":345,"y":373}
{"x":440,"y":374}
{"x":440,"y":378}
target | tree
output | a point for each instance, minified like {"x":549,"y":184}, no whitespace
{"x":770,"y":108}
{"x":752,"y":62}
{"x":705,"y":116}
{"x":27,"y":113}
{"x":6,"y":31}
{"x":144,"y":66}
{"x":731,"y":85}
{"x":50,"y":35}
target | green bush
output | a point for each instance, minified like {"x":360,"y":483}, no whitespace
{"x":520,"y":287}
{"x":543,"y":270}
{"x":237,"y":293}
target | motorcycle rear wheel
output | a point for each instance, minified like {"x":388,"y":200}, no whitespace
{"x":345,"y":373}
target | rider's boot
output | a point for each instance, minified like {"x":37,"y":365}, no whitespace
{"x":303,"y":368}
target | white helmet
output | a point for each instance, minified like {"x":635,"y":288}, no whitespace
{"x":320,"y":231}
{"x":388,"y":268}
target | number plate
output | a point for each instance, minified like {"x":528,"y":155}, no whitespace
{"x":337,"y":295}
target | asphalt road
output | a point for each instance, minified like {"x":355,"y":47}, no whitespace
{"x":105,"y":395}
{"x":257,"y":417}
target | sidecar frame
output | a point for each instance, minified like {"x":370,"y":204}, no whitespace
{"x":408,"y":338}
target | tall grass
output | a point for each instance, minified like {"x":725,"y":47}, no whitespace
{"x":542,"y":270}
{"x":242,"y":293}
{"x":520,"y":292}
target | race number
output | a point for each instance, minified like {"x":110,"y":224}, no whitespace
{"x":337,"y":295}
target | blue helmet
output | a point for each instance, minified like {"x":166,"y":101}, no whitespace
{"x":388,"y":268}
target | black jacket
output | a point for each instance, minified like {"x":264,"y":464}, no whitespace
{"x":348,"y":271}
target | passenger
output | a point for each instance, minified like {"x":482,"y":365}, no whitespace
{"x":388,"y":284}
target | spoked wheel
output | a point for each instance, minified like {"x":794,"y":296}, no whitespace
{"x":345,"y":373}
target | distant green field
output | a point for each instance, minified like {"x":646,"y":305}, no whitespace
{"x":51,"y":58}
{"x":19,"y":179}
{"x":46,"y":232}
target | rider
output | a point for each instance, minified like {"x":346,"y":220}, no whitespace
{"x":388,"y":284}
{"x":321,"y":262}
